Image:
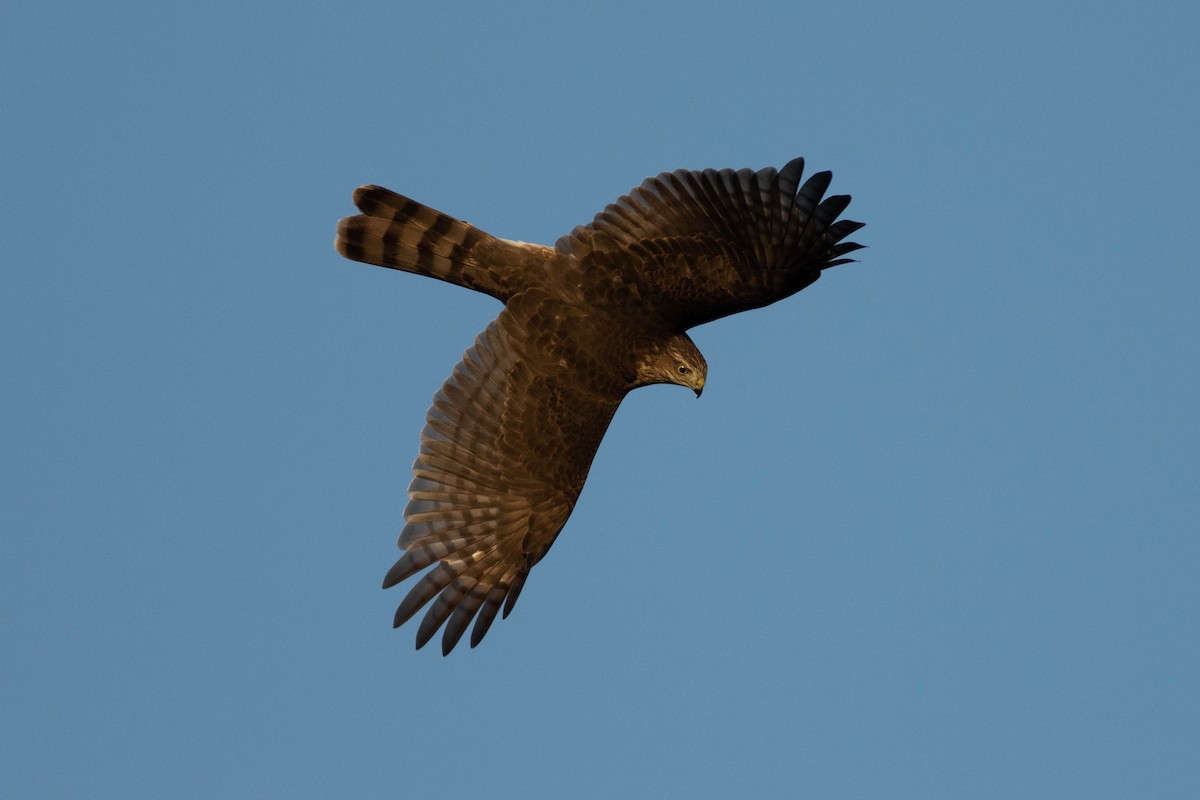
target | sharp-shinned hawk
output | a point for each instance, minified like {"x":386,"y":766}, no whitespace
{"x":511,"y":435}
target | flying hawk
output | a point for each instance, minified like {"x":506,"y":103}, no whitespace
{"x":511,"y":435}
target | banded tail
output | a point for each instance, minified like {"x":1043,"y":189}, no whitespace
{"x":396,"y":232}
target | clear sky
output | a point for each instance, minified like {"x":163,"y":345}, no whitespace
{"x":930,"y":533}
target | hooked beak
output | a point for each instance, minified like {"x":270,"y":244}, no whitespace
{"x":699,"y":387}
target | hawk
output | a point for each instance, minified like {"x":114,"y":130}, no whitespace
{"x":511,"y":434}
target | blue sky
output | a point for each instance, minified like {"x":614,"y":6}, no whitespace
{"x":931,"y":531}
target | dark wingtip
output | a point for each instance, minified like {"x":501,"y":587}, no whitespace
{"x":835,"y":204}
{"x":394,"y":575}
{"x":793,"y":169}
{"x":514,"y":591}
{"x":845,"y":227}
{"x":424,"y":634}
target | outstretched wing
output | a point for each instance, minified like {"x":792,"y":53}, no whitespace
{"x":506,"y":448}
{"x":702,"y":245}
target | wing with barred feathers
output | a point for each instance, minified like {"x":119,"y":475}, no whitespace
{"x":702,"y":245}
{"x":504,"y":454}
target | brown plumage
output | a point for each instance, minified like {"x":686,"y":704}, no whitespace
{"x":511,"y":435}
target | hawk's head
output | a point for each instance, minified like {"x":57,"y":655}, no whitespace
{"x":674,"y":360}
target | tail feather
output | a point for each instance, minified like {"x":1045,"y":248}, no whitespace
{"x":399,"y":233}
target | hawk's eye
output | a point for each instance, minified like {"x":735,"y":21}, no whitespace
{"x":683,"y":370}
